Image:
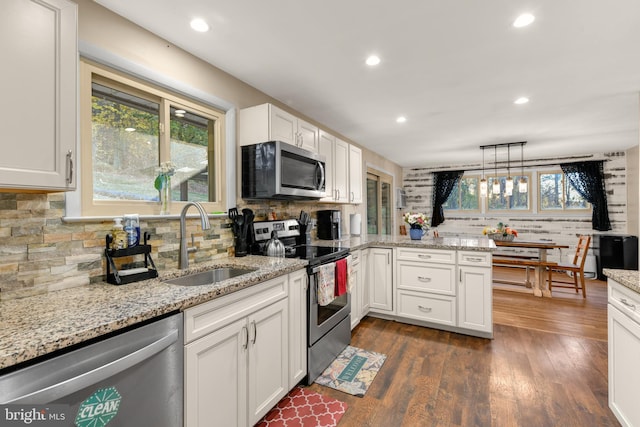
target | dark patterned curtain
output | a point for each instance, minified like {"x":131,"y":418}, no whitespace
{"x":587,"y":178}
{"x":443,"y":185}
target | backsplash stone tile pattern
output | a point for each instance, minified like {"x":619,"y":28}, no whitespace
{"x":41,"y":253}
{"x":561,"y":228}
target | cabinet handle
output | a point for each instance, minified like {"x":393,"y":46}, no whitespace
{"x":423,"y":256}
{"x":628,"y":304}
{"x":353,"y":196}
{"x":337,"y":194}
{"x":425,"y":309}
{"x":473,"y":259}
{"x":424,"y":279}
{"x":246,"y":338}
{"x":460,"y":275}
{"x":69,"y":167}
{"x":388,"y":258}
{"x":255,"y":332}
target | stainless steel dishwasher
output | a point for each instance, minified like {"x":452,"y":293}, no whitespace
{"x":134,"y":378}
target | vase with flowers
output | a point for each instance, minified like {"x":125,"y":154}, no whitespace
{"x":418,"y":224}
{"x":162,"y":183}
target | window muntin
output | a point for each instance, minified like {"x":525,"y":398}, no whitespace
{"x":149,"y":133}
{"x":502,"y":202}
{"x":555,"y":193}
{"x":465,"y":197}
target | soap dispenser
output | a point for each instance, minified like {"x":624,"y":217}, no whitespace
{"x":119,"y":236}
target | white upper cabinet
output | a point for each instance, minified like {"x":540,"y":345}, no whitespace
{"x":39,"y":87}
{"x":355,"y":174}
{"x":267,"y":122}
{"x":337,"y":169}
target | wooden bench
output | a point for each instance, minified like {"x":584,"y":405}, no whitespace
{"x":519,"y":261}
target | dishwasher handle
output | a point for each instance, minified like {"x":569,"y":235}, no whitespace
{"x":77,"y":383}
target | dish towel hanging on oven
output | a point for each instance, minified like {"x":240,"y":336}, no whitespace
{"x":341,"y":277}
{"x":326,"y":283}
{"x":350,"y":277}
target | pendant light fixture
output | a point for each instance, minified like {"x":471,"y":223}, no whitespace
{"x":522,"y":183}
{"x":496,"y":182}
{"x":508,"y":187}
{"x":483,"y":181}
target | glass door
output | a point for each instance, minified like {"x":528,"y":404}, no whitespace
{"x":379,"y":202}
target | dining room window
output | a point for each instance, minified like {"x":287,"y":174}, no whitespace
{"x":465,"y":196}
{"x":129,"y":130}
{"x":503,"y":201}
{"x":556,"y":194}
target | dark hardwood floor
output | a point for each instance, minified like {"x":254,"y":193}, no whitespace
{"x":546,"y":366}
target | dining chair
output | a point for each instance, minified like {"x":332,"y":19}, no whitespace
{"x":576,"y":268}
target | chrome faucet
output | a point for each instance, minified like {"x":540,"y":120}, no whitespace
{"x":183,"y":260}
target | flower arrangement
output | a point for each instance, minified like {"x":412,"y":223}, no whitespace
{"x":416,"y":220}
{"x":501,"y":232}
{"x":163,"y":185}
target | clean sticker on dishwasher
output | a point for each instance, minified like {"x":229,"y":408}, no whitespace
{"x":99,"y":408}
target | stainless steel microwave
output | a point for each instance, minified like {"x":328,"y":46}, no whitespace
{"x":277,"y":170}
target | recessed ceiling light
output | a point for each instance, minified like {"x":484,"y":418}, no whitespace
{"x":130,"y":129}
{"x":521,"y":100}
{"x":373,"y":60}
{"x":524,"y":20}
{"x":401,"y":119}
{"x":199,"y":25}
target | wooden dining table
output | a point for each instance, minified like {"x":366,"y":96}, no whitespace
{"x":540,"y":286}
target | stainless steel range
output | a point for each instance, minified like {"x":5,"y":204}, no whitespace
{"x":328,"y":326}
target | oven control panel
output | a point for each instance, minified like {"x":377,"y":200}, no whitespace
{"x":285,"y":228}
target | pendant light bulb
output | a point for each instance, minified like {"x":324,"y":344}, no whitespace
{"x":508,"y":187}
{"x":483,"y":187}
{"x":496,"y":186}
{"x":522,"y":183}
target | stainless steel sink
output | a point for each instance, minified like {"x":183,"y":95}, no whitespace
{"x":210,"y":277}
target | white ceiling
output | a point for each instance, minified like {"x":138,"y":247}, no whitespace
{"x":453,"y":68}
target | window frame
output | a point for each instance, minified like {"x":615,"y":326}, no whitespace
{"x":563,"y":210}
{"x":91,"y":207}
{"x":477,"y":195}
{"x":530,"y":200}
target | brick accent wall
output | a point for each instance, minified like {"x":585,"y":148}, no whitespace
{"x":561,"y":228}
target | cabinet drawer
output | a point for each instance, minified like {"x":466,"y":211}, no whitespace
{"x":428,"y":307}
{"x":215,"y":314}
{"x":429,"y":255}
{"x":624,"y":299}
{"x":474,"y":258}
{"x":356,"y":256}
{"x":421,"y":277}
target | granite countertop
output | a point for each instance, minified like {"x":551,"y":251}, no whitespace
{"x":35,"y":326}
{"x":628,"y":278}
{"x":450,"y":243}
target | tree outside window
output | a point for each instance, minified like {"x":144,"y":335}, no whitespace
{"x":557,"y":194}
{"x":465,"y":195}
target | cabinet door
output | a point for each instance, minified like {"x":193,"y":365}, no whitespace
{"x":341,"y":171}
{"x":284,"y":126}
{"x":474,"y":299}
{"x":268,"y":359}
{"x":381,"y":279}
{"x":356,"y":289}
{"x":624,"y":375}
{"x":365,"y":281}
{"x":297,"y":327}
{"x":39,"y":89}
{"x":215,"y":382}
{"x":325,"y":148}
{"x":355,"y":174}
{"x":308,"y":135}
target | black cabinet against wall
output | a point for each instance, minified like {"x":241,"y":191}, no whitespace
{"x":615,"y":251}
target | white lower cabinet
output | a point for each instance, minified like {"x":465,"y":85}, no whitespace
{"x":440,"y":287}
{"x":237,"y":356}
{"x":356,"y":288}
{"x":624,"y":353}
{"x":298,"y":283}
{"x":381,"y":280}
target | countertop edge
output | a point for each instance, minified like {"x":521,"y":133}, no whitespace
{"x":627,"y":278}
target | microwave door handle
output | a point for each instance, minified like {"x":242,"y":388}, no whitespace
{"x":320,"y":182}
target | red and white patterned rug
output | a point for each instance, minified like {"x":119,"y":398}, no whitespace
{"x":304,"y":408}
